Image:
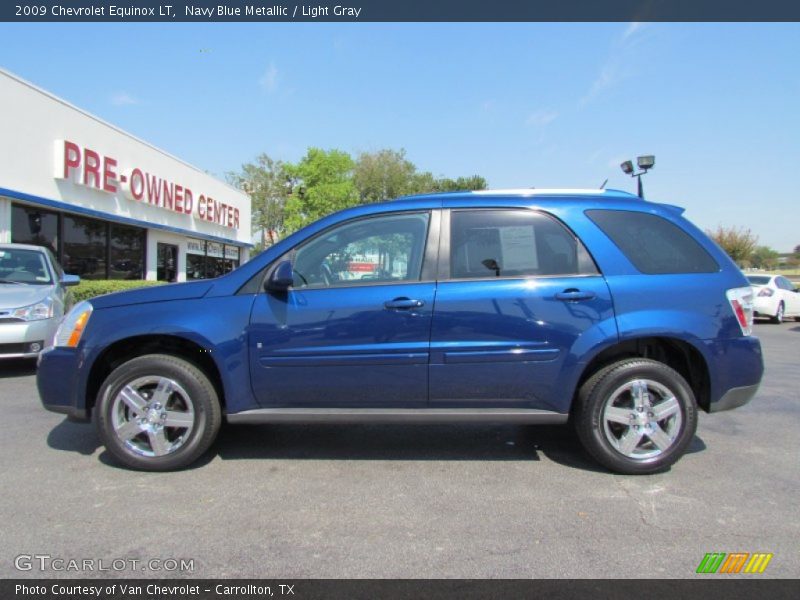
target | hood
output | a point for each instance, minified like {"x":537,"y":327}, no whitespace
{"x":159,"y":293}
{"x":17,"y":296}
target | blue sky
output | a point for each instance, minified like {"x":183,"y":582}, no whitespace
{"x":545,"y":105}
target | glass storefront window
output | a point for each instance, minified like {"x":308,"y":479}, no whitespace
{"x":97,"y":249}
{"x":231,"y":258}
{"x":85,"y":247}
{"x":126,"y":258}
{"x":195,"y":259}
{"x":34,"y":226}
{"x":215,"y":262}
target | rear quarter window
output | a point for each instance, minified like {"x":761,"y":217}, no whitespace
{"x":653,"y":244}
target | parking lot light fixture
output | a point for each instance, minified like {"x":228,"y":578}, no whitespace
{"x":645,"y":163}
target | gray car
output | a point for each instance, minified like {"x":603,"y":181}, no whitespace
{"x":33,"y":299}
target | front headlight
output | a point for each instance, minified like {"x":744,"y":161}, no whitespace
{"x":35,"y":312}
{"x":71,"y":329}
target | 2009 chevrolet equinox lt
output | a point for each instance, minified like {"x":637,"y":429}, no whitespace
{"x":521,"y":306}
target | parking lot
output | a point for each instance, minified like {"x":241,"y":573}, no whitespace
{"x":403,"y":501}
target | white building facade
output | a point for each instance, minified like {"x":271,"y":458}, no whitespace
{"x":109,"y":205}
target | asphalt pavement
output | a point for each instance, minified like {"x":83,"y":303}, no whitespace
{"x":386,"y":501}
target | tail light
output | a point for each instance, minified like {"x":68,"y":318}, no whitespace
{"x":766,"y":292}
{"x":741,"y":300}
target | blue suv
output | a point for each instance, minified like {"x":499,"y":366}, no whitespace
{"x":522,"y":306}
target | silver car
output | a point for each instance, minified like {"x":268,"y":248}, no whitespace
{"x":33,"y":299}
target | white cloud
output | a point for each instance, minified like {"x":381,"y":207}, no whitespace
{"x":541,"y":118}
{"x":269,"y":80}
{"x":631,"y":29}
{"x":610,"y":75}
{"x":123,"y":99}
{"x":617,"y":66}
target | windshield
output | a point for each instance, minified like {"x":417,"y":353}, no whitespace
{"x":27,"y":267}
{"x":759,"y":279}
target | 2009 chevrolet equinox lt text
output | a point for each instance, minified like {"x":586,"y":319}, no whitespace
{"x":519,"y":306}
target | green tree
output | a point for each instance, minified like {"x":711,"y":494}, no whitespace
{"x":322,"y":183}
{"x":738,"y":242}
{"x":764,"y":257}
{"x":383,"y":175}
{"x":265,"y":181}
{"x":427,"y":183}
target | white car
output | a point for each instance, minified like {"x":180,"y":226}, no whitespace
{"x":775,"y":297}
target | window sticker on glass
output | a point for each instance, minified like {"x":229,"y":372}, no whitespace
{"x":518,"y":244}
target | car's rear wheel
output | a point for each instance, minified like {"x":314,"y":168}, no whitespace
{"x":778,"y":318}
{"x":157,"y":413}
{"x":636,"y":416}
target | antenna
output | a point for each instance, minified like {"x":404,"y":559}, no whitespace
{"x":603,"y":186}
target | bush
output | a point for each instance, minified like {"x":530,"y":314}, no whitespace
{"x":90,"y":288}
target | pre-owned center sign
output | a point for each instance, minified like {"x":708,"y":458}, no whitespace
{"x":90,"y":168}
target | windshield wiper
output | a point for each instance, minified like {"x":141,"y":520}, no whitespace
{"x":11,"y":281}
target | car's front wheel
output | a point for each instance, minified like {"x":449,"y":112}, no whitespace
{"x":157,"y":413}
{"x":636,"y":416}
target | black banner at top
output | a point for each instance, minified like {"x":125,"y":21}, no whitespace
{"x":398,"y":10}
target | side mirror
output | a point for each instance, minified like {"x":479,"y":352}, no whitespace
{"x":70,"y":280}
{"x":281,"y":278}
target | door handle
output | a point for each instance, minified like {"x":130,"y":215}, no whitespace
{"x":403,"y":303}
{"x":573,"y":294}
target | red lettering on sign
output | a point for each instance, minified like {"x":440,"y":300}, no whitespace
{"x":153,"y":190}
{"x":72,"y":157}
{"x":137,"y":184}
{"x":167,"y":195}
{"x":109,"y":174}
{"x":91,"y":167}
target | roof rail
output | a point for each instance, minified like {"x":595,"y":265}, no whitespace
{"x":539,"y":191}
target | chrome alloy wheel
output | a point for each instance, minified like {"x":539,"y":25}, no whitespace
{"x":152,"y":416}
{"x":642,"y":419}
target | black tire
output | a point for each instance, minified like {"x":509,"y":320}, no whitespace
{"x":778,"y":318}
{"x":182,"y":444}
{"x":595,"y":431}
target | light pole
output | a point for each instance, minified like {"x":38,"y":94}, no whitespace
{"x":645,"y":163}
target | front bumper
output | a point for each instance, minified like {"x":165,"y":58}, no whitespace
{"x":56,"y":379}
{"x":25,"y":339}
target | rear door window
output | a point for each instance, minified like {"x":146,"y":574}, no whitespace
{"x":654,"y":245}
{"x":513,"y":243}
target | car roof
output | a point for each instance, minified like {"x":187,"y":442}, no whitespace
{"x":573,"y":193}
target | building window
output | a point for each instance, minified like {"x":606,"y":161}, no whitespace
{"x":195,"y":259}
{"x":215,"y":259}
{"x":85,"y":247}
{"x":34,"y":226}
{"x":126,"y":252}
{"x":232,"y":258}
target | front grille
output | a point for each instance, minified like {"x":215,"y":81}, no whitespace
{"x":10,"y":320}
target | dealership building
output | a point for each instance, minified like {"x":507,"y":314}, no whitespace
{"x":109,"y":205}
